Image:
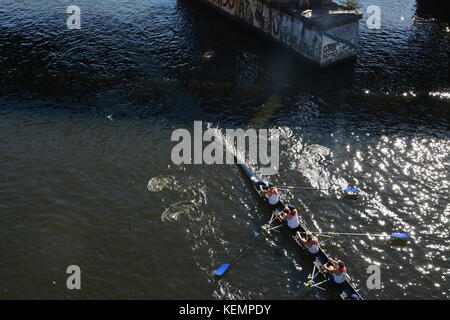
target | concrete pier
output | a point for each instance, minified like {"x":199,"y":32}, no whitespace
{"x":319,"y":30}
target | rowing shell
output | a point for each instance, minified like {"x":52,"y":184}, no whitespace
{"x":344,"y":290}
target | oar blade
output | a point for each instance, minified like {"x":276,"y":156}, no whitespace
{"x":399,"y":235}
{"x":222,"y":269}
{"x":351,"y":191}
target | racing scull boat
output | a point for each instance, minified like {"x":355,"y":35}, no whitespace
{"x":345,"y":290}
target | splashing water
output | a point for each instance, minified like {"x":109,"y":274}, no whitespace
{"x":180,"y":209}
{"x":160,"y":183}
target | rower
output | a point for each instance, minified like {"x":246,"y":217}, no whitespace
{"x":337,"y":271}
{"x":310,"y":242}
{"x":290,"y":216}
{"x":270,"y":193}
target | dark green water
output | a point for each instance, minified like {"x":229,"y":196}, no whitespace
{"x":86,"y":176}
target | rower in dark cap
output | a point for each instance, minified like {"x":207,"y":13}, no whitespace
{"x":337,"y":271}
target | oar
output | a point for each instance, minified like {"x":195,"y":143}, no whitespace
{"x":224,"y":267}
{"x":267,"y":228}
{"x":301,"y":188}
{"x":348,"y":191}
{"x":395,"y":235}
{"x":351,"y":192}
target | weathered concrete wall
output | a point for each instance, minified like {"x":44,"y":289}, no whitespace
{"x":333,"y":50}
{"x":319,"y":35}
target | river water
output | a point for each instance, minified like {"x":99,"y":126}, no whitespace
{"x":86,"y":176}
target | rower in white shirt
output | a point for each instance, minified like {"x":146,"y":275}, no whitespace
{"x":271,"y":195}
{"x":290,"y":216}
{"x":337,"y":271}
{"x":310,"y":241}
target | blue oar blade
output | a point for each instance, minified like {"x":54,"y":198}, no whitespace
{"x":222,"y":269}
{"x":351,"y":191}
{"x":399,"y":235}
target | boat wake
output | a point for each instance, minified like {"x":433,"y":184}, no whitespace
{"x":159,"y":183}
{"x":187,"y":209}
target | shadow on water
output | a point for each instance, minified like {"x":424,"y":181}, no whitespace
{"x":240,"y":73}
{"x":204,"y":63}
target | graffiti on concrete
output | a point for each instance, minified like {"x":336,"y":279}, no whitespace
{"x":226,"y":3}
{"x":276,"y":18}
{"x":329,"y":50}
{"x":279,"y":25}
{"x":284,"y":27}
{"x":247,"y":9}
